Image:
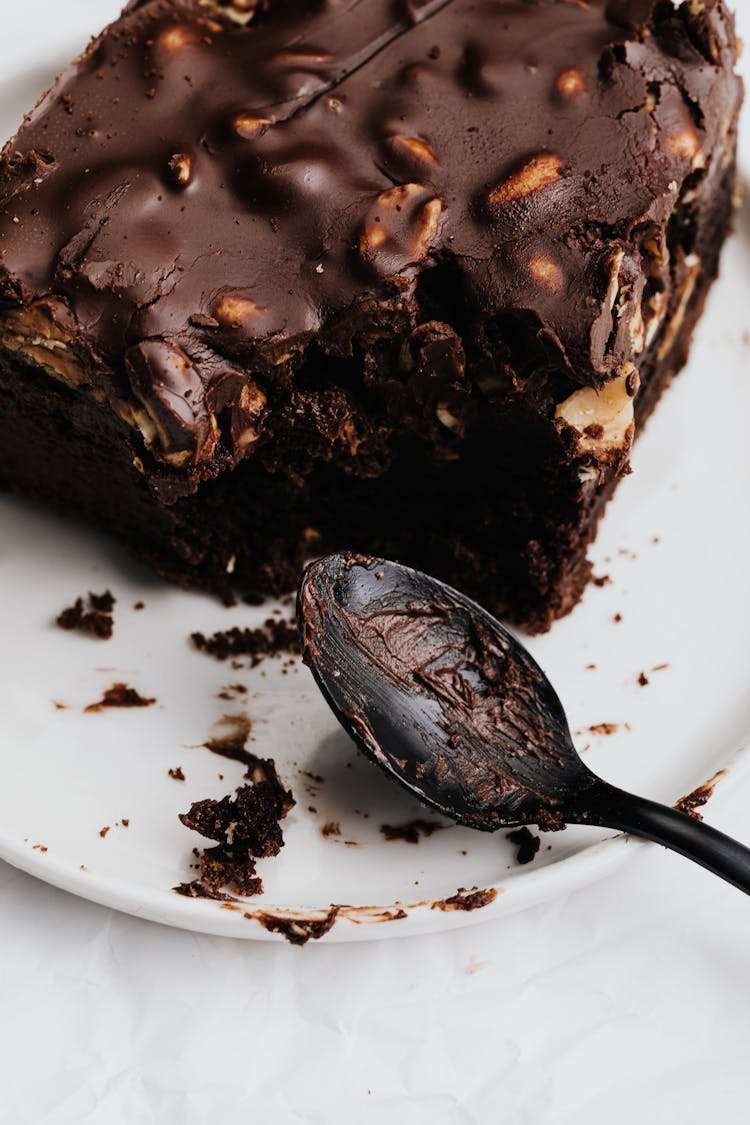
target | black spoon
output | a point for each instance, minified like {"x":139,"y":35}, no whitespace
{"x":448,"y":702}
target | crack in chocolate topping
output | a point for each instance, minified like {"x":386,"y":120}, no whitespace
{"x":208,"y":199}
{"x":437,"y":693}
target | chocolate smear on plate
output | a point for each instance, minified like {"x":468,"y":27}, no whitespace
{"x":298,"y":931}
{"x":474,"y":899}
{"x":412,"y":832}
{"x":119,"y":695}
{"x":691,"y":802}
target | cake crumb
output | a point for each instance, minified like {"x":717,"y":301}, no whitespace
{"x":550,"y":820}
{"x":246,"y":827}
{"x":527,"y":843}
{"x":330,"y":828}
{"x":176,"y":774}
{"x":92,"y":618}
{"x":273,"y":638}
{"x":643,"y":679}
{"x":103,"y":831}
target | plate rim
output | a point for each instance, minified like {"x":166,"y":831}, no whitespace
{"x":221,"y":919}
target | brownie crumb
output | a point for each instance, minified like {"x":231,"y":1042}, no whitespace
{"x":125,"y":822}
{"x":466,"y":900}
{"x":119,"y":695}
{"x":298,"y":931}
{"x":176,"y":774}
{"x":604,"y":728}
{"x":246,"y":827}
{"x":528,"y":844}
{"x":102,"y":603}
{"x":412,"y":832}
{"x":550,"y":820}
{"x":617,"y":618}
{"x":643,"y":679}
{"x":139,"y":606}
{"x":601,"y":580}
{"x":274,"y":638}
{"x":92,"y":618}
{"x":103,"y":831}
{"x":330,"y":828}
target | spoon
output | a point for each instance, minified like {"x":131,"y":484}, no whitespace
{"x":449,"y":703}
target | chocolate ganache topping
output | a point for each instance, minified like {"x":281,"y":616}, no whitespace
{"x":212,"y":186}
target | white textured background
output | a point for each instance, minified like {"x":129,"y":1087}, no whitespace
{"x":627,"y":1001}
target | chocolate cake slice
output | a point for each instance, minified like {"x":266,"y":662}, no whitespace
{"x":398,"y":276}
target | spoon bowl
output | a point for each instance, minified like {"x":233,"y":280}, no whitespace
{"x":448,"y":702}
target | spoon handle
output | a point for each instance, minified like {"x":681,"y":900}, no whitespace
{"x":614,"y":808}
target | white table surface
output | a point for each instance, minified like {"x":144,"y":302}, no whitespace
{"x":626,"y":1001}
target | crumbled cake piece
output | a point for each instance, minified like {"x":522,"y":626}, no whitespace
{"x":246,"y":827}
{"x":527,"y":843}
{"x":274,"y":638}
{"x":94,"y":619}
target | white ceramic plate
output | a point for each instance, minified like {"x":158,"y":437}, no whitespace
{"x":684,"y":602}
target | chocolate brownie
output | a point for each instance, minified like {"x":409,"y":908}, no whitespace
{"x":397,"y":276}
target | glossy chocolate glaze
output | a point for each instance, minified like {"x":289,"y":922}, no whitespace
{"x":196,"y":202}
